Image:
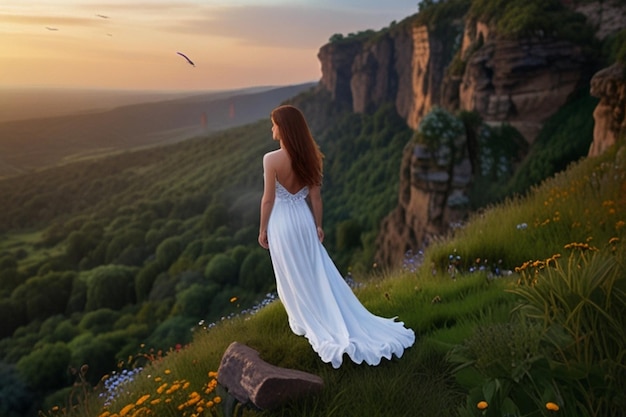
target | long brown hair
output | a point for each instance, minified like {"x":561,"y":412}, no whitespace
{"x":306,"y":157}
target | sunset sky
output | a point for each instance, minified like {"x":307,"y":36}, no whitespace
{"x":134,"y":44}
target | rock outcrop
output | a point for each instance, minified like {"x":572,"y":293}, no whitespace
{"x":609,"y":85}
{"x":523,"y":82}
{"x":405,"y":65}
{"x":518,"y":82}
{"x":252,"y":381}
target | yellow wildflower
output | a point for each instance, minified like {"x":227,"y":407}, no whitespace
{"x":155,"y":401}
{"x":161,"y":388}
{"x":217,"y":400}
{"x":552,"y":406}
{"x":186,"y":385}
{"x":126,"y":409}
{"x":143,"y":411}
{"x":142,"y":399}
{"x":105,"y":414}
{"x":173,"y":388}
{"x":233,"y":299}
{"x":482,"y":405}
{"x":212,"y":374}
{"x":167,"y":372}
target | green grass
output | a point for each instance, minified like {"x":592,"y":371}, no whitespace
{"x":445,"y":311}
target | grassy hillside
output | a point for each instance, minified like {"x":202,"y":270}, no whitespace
{"x":520,"y":313}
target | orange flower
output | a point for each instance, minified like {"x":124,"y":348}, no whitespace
{"x":126,"y":409}
{"x":482,"y":405}
{"x":142,"y":399}
{"x":552,"y":406}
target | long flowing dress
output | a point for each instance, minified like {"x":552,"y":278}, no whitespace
{"x":320,"y":304}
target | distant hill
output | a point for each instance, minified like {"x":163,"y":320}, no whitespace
{"x":30,"y":144}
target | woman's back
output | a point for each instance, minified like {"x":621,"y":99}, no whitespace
{"x":285,"y":174}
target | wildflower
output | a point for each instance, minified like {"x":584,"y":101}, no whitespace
{"x":143,"y":411}
{"x":105,"y":414}
{"x":173,"y":388}
{"x":186,"y":385}
{"x":233,"y":299}
{"x":161,"y":388}
{"x":482,"y":405}
{"x":126,"y":409}
{"x":155,"y":401}
{"x":552,"y":406}
{"x":142,"y":399}
{"x":167,"y":372}
{"x":613,"y":240}
{"x":212,"y":374}
{"x":217,"y":400}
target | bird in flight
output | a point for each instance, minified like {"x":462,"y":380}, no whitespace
{"x":102,"y":16}
{"x":50,"y":28}
{"x":188,"y":60}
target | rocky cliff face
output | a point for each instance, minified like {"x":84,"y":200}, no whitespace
{"x":406,"y":65}
{"x":609,"y":85}
{"x":521,"y":83}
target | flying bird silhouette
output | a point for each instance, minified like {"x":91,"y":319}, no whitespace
{"x":102,"y":16}
{"x":49,"y":28}
{"x":188,"y":60}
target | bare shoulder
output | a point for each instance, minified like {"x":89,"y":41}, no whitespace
{"x":274,"y":156}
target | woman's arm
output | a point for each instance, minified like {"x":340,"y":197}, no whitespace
{"x":315,"y":197}
{"x":267,"y":201}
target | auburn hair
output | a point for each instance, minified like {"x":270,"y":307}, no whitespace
{"x":296,"y":138}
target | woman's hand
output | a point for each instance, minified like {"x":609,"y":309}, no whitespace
{"x":263,"y":239}
{"x":320,"y":234}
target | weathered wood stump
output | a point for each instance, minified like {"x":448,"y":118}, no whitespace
{"x":252,"y":381}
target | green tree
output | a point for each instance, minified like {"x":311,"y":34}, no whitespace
{"x":256,"y":272}
{"x":47,"y":295}
{"x":99,"y":321}
{"x":46,"y":368}
{"x":195,"y":300}
{"x":168,"y":251}
{"x":110,"y":286}
{"x":13,"y":313}
{"x":145,"y":279}
{"x":348,"y":235}
{"x":222,"y":269}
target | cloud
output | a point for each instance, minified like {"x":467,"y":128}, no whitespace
{"x":282,"y":26}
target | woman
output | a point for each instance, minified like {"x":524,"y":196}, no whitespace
{"x":319,"y":303}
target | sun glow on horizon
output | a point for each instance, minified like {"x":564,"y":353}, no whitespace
{"x":132,"y":45}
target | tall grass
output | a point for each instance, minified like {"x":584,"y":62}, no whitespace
{"x":507,"y":322}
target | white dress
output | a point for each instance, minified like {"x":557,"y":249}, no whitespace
{"x":319,"y":303}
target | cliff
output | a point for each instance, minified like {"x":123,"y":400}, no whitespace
{"x":609,"y":85}
{"x":464,"y":66}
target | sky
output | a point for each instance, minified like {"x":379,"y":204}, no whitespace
{"x":127,"y":44}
